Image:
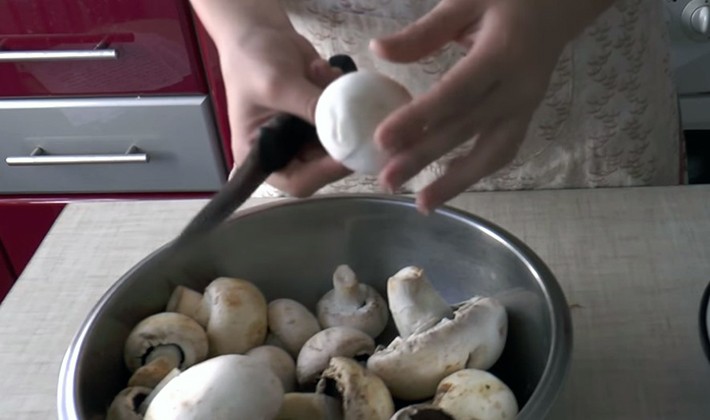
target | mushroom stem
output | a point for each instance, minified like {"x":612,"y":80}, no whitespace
{"x":348,"y":292}
{"x":189,"y":302}
{"x":158,"y":363}
{"x":125,"y":404}
{"x":168,"y":352}
{"x":143,"y":407}
{"x":415,"y":305}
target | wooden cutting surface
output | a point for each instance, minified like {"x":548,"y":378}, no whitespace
{"x":633,"y":264}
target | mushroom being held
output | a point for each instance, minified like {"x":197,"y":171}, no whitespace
{"x":412,"y":365}
{"x":348,"y":112}
{"x":160,"y":343}
{"x":222,"y":388}
{"x":476,"y":394}
{"x":291,"y":324}
{"x":363,"y":394}
{"x":335,"y":341}
{"x":352,"y":304}
{"x":280,"y":362}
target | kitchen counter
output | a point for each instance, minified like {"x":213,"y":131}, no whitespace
{"x":633,"y":264}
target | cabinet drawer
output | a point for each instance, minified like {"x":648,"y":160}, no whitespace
{"x":88,"y":47}
{"x":154,"y":144}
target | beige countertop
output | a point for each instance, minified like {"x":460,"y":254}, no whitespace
{"x":633,"y":264}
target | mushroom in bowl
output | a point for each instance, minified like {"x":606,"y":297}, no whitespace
{"x":289,"y":250}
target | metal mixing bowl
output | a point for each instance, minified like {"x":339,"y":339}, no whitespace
{"x":290,"y":249}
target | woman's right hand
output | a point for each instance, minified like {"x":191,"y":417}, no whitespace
{"x":269,"y":68}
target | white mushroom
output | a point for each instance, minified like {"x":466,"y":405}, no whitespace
{"x":352,"y":304}
{"x":233,"y":311}
{"x":476,"y":394}
{"x":363,"y":394}
{"x":125,"y":406}
{"x":273,"y":340}
{"x":160,"y":343}
{"x":189,"y":302}
{"x":413,"y":366}
{"x":280,"y":362}
{"x":222,"y":388}
{"x":348,"y":112}
{"x":291,"y":324}
{"x":415,"y":304}
{"x":422,"y":411}
{"x":309,"y":406}
{"x":335,"y":341}
{"x":238,"y":319}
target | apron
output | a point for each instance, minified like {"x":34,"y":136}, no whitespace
{"x":609,"y":117}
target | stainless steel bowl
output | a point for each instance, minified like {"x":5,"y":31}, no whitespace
{"x":289,"y":249}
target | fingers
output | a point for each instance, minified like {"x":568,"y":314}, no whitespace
{"x":293,"y":94}
{"x":442,"y":24}
{"x":493,"y":150}
{"x":413,"y":146}
{"x":457,"y":96}
{"x":303,"y":178}
{"x":322,"y":73}
{"x":403,"y":166}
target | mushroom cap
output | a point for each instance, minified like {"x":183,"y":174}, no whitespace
{"x":279,"y":361}
{"x":475,"y":337}
{"x":291,"y":323}
{"x":125,"y":405}
{"x":309,"y":406}
{"x":422,"y":411}
{"x":237,"y":321}
{"x":363,"y":394}
{"x":331,"y":342}
{"x":474,"y":393}
{"x":348,"y":112}
{"x":166,"y":328}
{"x":364,"y":308}
{"x":222,"y":388}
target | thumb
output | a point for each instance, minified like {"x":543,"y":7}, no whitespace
{"x":297,"y":96}
{"x":444,"y":23}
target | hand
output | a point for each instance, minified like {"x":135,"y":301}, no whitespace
{"x":490,"y":95}
{"x":270,"y":70}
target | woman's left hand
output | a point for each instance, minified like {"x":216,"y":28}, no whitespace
{"x":490,"y":95}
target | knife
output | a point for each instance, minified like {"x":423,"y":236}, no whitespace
{"x":279,"y":141}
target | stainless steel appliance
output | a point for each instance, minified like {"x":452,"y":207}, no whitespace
{"x":689,"y":27}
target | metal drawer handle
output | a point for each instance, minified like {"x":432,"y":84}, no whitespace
{"x":38,"y":157}
{"x":58,"y":55}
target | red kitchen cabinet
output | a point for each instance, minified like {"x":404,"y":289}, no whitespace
{"x":117,"y":56}
{"x":23,"y":226}
{"x":92,"y":47}
{"x":7,"y":276}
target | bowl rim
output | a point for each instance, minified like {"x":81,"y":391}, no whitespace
{"x":703,"y":321}
{"x":558,"y":359}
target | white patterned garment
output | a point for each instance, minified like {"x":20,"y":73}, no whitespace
{"x":609,"y":117}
